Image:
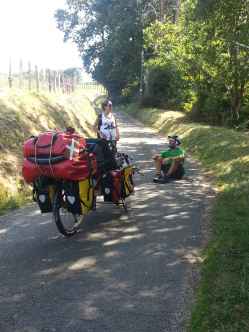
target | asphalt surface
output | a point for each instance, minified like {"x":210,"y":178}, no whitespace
{"x":121,"y":271}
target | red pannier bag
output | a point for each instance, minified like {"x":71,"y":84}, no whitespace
{"x":111,"y":185}
{"x":57,"y":155}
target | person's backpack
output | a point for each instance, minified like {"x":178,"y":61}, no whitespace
{"x":99,"y":124}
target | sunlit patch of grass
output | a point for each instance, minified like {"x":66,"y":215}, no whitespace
{"x":98,"y":100}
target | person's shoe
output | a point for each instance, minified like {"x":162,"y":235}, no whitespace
{"x":164,"y":179}
{"x":157,"y":178}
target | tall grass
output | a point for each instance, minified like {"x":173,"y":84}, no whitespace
{"x":24,"y":113}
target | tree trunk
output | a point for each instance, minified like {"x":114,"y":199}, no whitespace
{"x":236,"y":98}
{"x":177,"y":10}
{"x":112,"y":94}
{"x":161,"y":10}
{"x":240,"y":100}
{"x":232,"y":92}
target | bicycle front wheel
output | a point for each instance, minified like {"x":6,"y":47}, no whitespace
{"x":67,"y":223}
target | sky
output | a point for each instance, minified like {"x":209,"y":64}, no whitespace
{"x":28,"y":32}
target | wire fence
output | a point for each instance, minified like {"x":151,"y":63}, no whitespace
{"x":46,"y":80}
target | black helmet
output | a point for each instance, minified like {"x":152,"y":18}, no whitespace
{"x":176,"y":139}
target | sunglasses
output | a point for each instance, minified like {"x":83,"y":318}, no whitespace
{"x":110,"y":105}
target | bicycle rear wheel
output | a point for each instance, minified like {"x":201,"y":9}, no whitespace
{"x":67,"y":223}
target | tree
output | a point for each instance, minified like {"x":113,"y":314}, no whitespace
{"x":109,"y":36}
{"x":218,"y":26}
{"x":72,"y":72}
{"x":204,"y":49}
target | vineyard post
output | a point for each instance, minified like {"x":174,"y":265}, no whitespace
{"x":29,"y":70}
{"x":21,"y":79}
{"x":37,"y":78}
{"x":10,"y":78}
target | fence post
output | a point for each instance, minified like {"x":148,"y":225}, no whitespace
{"x":73,"y":83}
{"x":68,"y":84}
{"x":29,"y":76}
{"x":59,"y":82}
{"x":21,"y":78}
{"x":10,"y":78}
{"x":54,"y":78}
{"x":49,"y":80}
{"x":37,"y":78}
{"x":44,"y":79}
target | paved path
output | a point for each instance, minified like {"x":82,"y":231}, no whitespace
{"x":121,"y":272}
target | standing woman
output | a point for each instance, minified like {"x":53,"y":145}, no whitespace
{"x":106,"y":123}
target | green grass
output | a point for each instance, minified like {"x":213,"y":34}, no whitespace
{"x":97,"y":101}
{"x":222,"y":297}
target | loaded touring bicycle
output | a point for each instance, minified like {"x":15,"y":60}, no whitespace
{"x":69,"y":172}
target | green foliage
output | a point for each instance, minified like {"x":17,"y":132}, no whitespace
{"x":109,"y":37}
{"x":165,"y":82}
{"x":210,"y":67}
{"x":71,"y":72}
{"x":218,"y":26}
{"x":197,"y":65}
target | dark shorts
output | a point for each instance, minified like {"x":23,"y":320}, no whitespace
{"x":177,"y":174}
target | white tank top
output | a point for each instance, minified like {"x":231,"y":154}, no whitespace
{"x":107,"y":126}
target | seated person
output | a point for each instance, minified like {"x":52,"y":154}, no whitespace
{"x":171,"y":162}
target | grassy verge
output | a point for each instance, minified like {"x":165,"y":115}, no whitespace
{"x":97,"y":101}
{"x":24,"y":113}
{"x":222,"y":297}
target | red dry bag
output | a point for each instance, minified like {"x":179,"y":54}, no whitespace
{"x":59,"y":155}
